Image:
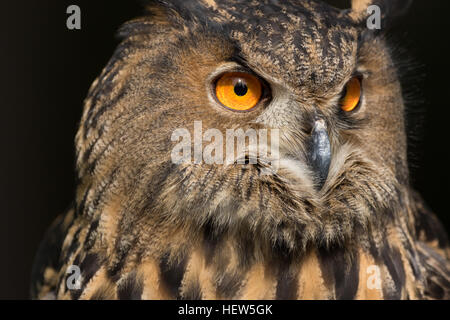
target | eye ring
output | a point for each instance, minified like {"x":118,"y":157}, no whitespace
{"x":351,"y":95}
{"x":239,"y":91}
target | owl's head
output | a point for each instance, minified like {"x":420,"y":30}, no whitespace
{"x":307,"y":82}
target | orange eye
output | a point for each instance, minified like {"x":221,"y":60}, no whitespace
{"x":239,"y":91}
{"x":352,"y":96}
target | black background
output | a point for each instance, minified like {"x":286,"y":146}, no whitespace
{"x":47,"y":69}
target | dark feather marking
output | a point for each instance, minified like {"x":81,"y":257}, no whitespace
{"x":88,"y":268}
{"x":435,"y":290}
{"x":249,"y":188}
{"x":392,"y":259}
{"x":229,"y":284}
{"x":239,"y":176}
{"x":101,"y":191}
{"x":109,"y":105}
{"x":88,"y":242}
{"x":74,"y":244}
{"x":217,"y":186}
{"x":172,"y":274}
{"x":93,"y":164}
{"x":75,"y":293}
{"x":340,"y":270}
{"x":245,"y":249}
{"x":101,"y":294}
{"x":192,"y":291}
{"x":113,"y":141}
{"x":411,"y":256}
{"x":89,"y":150}
{"x":122,"y":250}
{"x":106,"y":86}
{"x":287,"y":283}
{"x":437,"y":280}
{"x":349,"y":286}
{"x":79,"y":210}
{"x":130,"y":288}
{"x":49,"y":253}
{"x":428,"y":224}
{"x":261,"y":198}
{"x":212,"y":238}
{"x":207,"y":178}
{"x":77,"y":259}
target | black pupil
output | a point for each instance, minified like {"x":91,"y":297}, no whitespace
{"x":240,"y":88}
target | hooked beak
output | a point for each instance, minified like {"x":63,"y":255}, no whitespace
{"x":319,"y":155}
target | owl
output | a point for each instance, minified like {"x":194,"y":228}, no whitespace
{"x":251,"y":149}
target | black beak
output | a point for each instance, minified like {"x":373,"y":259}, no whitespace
{"x":320,"y":152}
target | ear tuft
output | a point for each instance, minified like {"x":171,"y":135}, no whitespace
{"x":360,"y":6}
{"x":390,"y":10}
